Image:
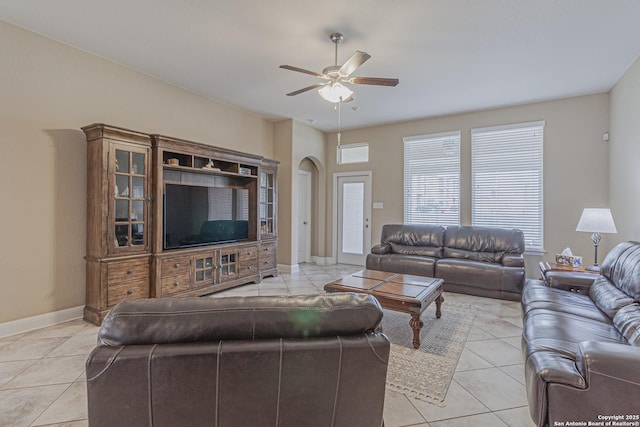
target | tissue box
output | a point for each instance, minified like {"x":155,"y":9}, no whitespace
{"x":571,"y":261}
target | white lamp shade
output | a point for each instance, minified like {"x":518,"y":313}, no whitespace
{"x":596,"y":220}
{"x":335,"y":92}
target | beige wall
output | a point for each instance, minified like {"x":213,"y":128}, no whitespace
{"x":624,"y":142}
{"x":575,"y":164}
{"x":48,"y":92}
{"x":295,"y":142}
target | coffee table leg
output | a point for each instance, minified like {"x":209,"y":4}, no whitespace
{"x":439,"y":302}
{"x":416,"y":325}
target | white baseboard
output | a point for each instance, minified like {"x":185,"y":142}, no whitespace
{"x":288,"y":268}
{"x":40,"y":321}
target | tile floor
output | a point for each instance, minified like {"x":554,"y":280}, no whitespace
{"x":42,"y":381}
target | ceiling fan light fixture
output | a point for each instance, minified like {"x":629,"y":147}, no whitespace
{"x":335,"y":92}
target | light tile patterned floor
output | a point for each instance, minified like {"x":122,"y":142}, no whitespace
{"x":42,"y":381}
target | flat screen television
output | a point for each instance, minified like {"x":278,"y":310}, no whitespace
{"x":196,"y":215}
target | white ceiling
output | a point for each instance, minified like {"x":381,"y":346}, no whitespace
{"x":451,"y":56}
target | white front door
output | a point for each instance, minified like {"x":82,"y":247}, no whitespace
{"x":353,"y":217}
{"x":304,"y":216}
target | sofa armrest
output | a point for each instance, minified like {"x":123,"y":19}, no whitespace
{"x":513,"y":260}
{"x":381,"y":249}
{"x":574,"y":281}
{"x":609,"y":363}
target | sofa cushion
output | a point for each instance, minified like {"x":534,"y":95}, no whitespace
{"x":627,"y":321}
{"x":608,"y":297}
{"x":537,"y":295}
{"x":487,"y":244}
{"x":405,"y":264}
{"x":548,"y":330}
{"x":414,"y":239}
{"x":494,"y":257}
{"x":465,"y":272}
{"x":622,"y":267}
{"x":180,"y":320}
{"x":428,"y":251}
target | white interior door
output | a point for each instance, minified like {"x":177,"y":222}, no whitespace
{"x":304,"y":216}
{"x":353,"y":217}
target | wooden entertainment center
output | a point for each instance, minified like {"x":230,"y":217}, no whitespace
{"x":129,"y":253}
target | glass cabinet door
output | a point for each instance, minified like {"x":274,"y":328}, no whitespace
{"x":129,"y":209}
{"x":228,"y":264}
{"x":204,"y":270}
{"x":266,"y":204}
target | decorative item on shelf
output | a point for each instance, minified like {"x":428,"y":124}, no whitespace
{"x":596,"y":221}
{"x":173,"y":162}
{"x":210,"y":166}
{"x":244,"y":171}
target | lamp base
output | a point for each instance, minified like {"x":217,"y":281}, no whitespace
{"x":593,"y":268}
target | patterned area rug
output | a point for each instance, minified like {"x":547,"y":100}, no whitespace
{"x":426,"y":373}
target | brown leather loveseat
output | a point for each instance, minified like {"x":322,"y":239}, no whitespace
{"x":582,"y":351}
{"x":240,"y":361}
{"x":483,"y":261}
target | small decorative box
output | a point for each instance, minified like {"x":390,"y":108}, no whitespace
{"x":571,"y":261}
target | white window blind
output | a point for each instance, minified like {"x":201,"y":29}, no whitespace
{"x":506,"y":163}
{"x":432,"y":179}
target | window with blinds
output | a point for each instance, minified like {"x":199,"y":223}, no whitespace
{"x":506,"y":174}
{"x":432,"y":179}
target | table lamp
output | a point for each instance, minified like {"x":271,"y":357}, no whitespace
{"x":596,"y":221}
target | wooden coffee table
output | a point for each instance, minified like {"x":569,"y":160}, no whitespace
{"x":398,"y":292}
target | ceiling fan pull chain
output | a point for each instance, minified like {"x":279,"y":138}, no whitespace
{"x":339,"y":124}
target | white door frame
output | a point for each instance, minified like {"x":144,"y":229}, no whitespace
{"x":307,"y":191}
{"x":367,"y":208}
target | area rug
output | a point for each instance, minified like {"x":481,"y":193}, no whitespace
{"x":425,"y":373}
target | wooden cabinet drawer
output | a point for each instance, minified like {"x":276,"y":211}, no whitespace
{"x":250,"y":252}
{"x":176,"y":266}
{"x":268,"y":249}
{"x":123,"y":291}
{"x":124,"y":271}
{"x":267,"y":262}
{"x":248,"y":268}
{"x":175,"y":284}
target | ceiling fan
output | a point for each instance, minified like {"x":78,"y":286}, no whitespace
{"x":336,"y":76}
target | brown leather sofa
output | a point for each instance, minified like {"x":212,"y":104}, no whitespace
{"x":582,"y":351}
{"x":240,"y":361}
{"x":483,"y":261}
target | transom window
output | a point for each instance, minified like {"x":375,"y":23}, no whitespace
{"x":353,"y":153}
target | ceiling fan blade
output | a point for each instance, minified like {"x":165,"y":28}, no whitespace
{"x":374,"y":81}
{"x":302,"y":70}
{"x":356,"y":60}
{"x":305,"y":89}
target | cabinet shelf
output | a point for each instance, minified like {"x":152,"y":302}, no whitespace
{"x":207,"y":171}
